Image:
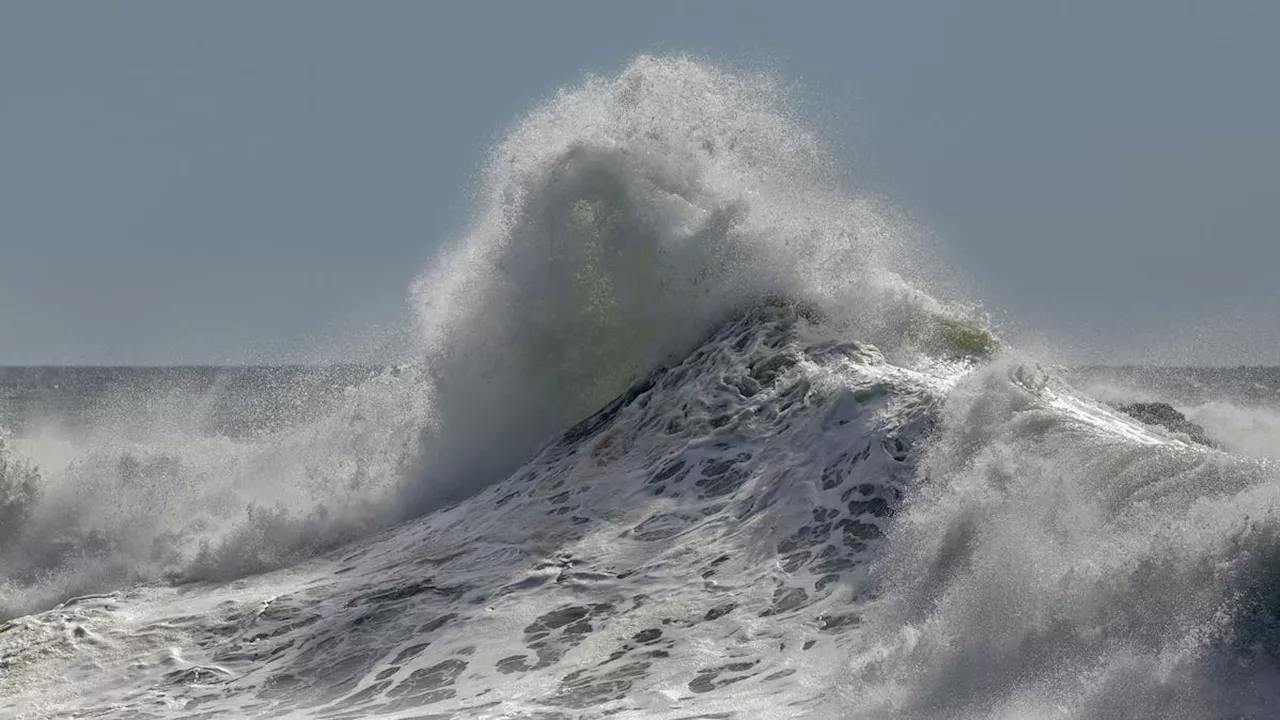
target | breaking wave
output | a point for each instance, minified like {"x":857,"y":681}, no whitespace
{"x":618,"y":225}
{"x":672,"y":413}
{"x":622,"y":222}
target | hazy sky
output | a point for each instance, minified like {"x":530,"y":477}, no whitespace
{"x":234,"y":181}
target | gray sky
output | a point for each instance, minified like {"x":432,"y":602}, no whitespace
{"x":239,"y":181}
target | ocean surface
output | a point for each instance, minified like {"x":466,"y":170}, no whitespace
{"x":233,"y":400}
{"x":684,"y":434}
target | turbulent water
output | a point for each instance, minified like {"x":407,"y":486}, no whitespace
{"x":684,"y":436}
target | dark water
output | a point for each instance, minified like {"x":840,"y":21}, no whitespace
{"x":1245,"y":386}
{"x":1237,"y":408}
{"x":235,"y":401}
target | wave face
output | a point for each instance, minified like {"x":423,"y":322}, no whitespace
{"x":677,"y":443}
{"x":708,"y":529}
{"x":782,"y":525}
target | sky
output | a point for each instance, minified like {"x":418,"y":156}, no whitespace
{"x":260,"y":181}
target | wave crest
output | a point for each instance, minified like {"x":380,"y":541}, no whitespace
{"x":621,"y":222}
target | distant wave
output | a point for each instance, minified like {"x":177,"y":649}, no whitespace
{"x":1238,"y":408}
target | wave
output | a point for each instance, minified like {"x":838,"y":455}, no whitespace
{"x":1247,"y":430}
{"x":621,"y":223}
{"x":770,"y":455}
{"x":617,"y":226}
{"x":781,"y":523}
{"x":1238,"y":409}
{"x":1058,"y":559}
{"x":127,"y":496}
